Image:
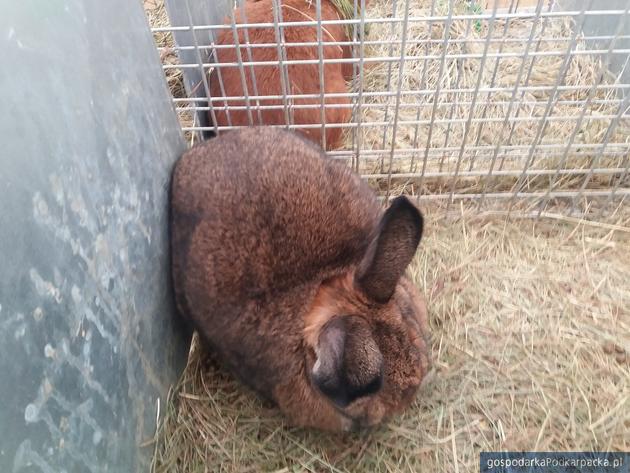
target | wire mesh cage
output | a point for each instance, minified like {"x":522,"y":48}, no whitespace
{"x":506,"y":105}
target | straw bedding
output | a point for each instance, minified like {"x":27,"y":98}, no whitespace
{"x":530,"y":320}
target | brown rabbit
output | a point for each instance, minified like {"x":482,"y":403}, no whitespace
{"x":286,"y":264}
{"x":303,"y":78}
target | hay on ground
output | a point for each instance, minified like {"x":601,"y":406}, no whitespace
{"x":531,"y":345}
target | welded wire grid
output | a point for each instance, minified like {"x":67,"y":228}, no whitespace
{"x":507,"y":103}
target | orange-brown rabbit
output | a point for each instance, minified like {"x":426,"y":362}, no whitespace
{"x":303,"y":78}
{"x":292,"y":273}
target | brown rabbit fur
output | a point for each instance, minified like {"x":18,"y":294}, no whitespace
{"x":292,"y":273}
{"x":303,"y":78}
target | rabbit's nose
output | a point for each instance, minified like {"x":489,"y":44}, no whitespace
{"x":355,"y":427}
{"x":361,"y":424}
{"x":410,"y":392}
{"x":358,"y":424}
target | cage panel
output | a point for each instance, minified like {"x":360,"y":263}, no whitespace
{"x":502,"y":100}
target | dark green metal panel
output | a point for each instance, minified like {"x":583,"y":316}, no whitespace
{"x":88,"y":340}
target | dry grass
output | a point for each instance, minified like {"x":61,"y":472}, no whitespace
{"x":531,"y":320}
{"x":531,"y":328}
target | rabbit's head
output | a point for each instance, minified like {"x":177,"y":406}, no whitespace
{"x":366,"y":333}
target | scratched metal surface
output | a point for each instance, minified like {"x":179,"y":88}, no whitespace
{"x":88,"y":342}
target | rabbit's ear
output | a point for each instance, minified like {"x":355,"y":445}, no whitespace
{"x":349,"y":364}
{"x":391,"y":251}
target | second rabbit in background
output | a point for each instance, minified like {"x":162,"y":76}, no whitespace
{"x":267,"y":80}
